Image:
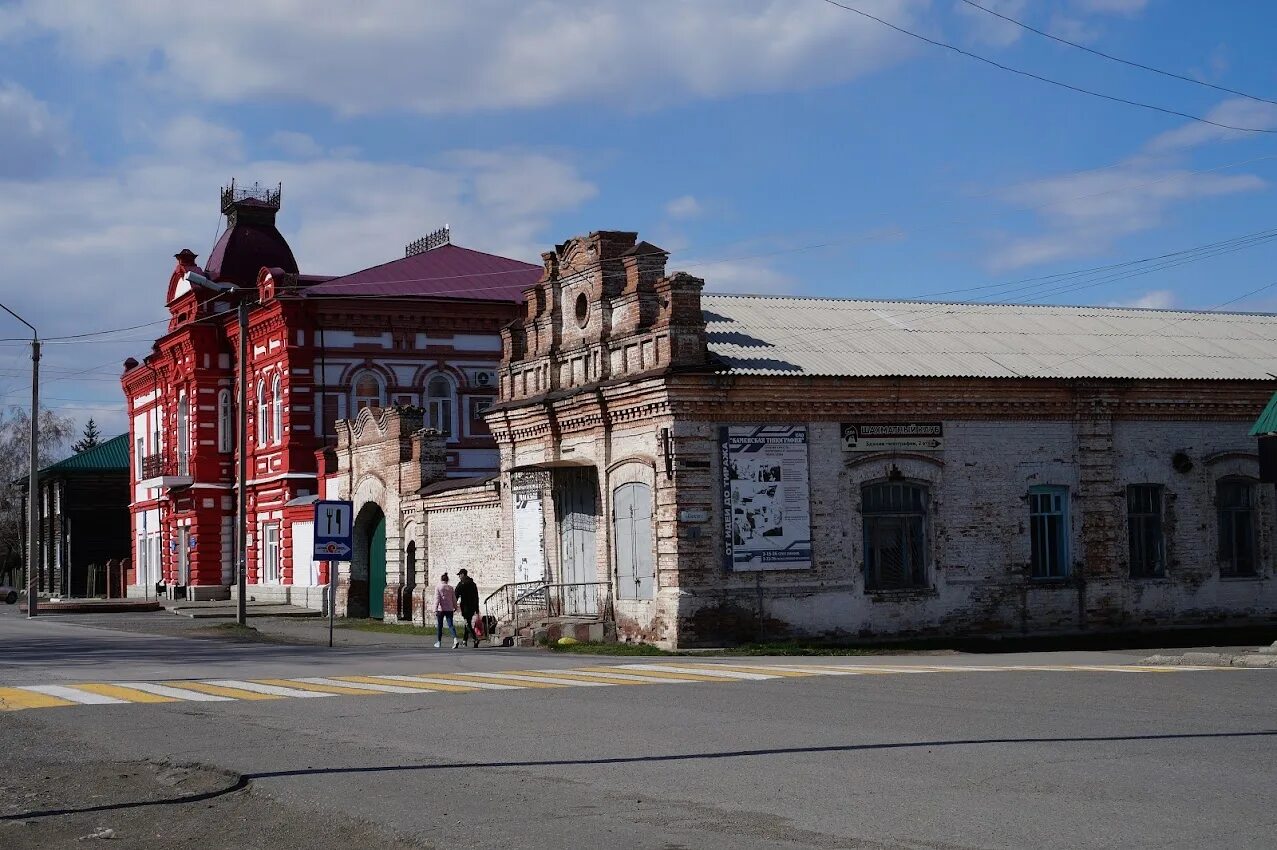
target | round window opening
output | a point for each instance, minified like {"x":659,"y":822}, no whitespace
{"x":582,"y":309}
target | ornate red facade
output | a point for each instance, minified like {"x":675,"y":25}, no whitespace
{"x":422,"y":331}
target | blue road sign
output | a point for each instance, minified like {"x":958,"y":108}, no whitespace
{"x":334,"y":530}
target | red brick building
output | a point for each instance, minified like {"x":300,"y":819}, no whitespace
{"x":422,"y":331}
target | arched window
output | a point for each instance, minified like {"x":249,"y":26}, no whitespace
{"x":895,"y":521}
{"x":277,"y":410}
{"x":263,"y":415}
{"x":225,"y":422}
{"x":183,"y":435}
{"x":367,"y":391}
{"x":439,"y":404}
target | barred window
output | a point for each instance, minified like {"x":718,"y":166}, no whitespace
{"x":1235,"y":510}
{"x":1049,"y":531}
{"x":895,"y":524}
{"x":1144,"y":530}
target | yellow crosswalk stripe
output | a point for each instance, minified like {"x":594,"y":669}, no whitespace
{"x":576,"y":676}
{"x":311,"y":686}
{"x":786,"y":672}
{"x":408,"y":683}
{"x":632,"y":671}
{"x":127,"y":694}
{"x":219,"y":690}
{"x":16,"y":699}
{"x":462,"y":678}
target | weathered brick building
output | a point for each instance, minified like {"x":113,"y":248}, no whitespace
{"x":422,"y":331}
{"x":720,"y":467}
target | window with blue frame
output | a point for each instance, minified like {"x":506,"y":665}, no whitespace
{"x":1049,"y":531}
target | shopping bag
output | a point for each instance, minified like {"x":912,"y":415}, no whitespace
{"x":476,"y":623}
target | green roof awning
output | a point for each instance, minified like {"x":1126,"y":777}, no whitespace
{"x":111,"y":455}
{"x":1267,"y":421}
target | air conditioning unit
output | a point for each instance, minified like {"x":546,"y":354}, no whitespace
{"x":485,"y":378}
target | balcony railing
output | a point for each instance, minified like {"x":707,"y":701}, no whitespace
{"x":157,"y":470}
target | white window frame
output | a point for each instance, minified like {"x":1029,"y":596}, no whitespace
{"x":183,"y":434}
{"x":225,"y":422}
{"x":263,"y":420}
{"x":356,"y":398}
{"x":277,"y":409}
{"x":441,"y":409}
{"x":270,"y":565}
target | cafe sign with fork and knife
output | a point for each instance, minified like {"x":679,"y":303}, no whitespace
{"x":334,"y":527}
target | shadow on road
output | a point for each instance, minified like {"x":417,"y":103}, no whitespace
{"x":243,"y":781}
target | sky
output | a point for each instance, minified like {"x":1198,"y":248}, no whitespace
{"x":772,"y":146}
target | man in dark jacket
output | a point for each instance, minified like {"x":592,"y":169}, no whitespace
{"x":468,"y":602}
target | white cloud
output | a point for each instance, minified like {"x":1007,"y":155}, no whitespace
{"x":1087,"y":212}
{"x":684,"y":207}
{"x":742,"y":277}
{"x":984,"y":28}
{"x":1154,"y":299}
{"x":1111,"y":7}
{"x":1236,"y":112}
{"x":33,"y":138}
{"x":295,"y":145}
{"x":466,"y":55}
{"x":98,"y":250}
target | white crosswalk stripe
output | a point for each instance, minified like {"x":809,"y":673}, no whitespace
{"x":705,"y":670}
{"x":569,"y":683}
{"x":273,"y":690}
{"x":73,"y":694}
{"x":467,"y":683}
{"x":175,"y":693}
{"x":359,"y":686}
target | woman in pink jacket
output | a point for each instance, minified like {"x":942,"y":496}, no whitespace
{"x":445,"y":604}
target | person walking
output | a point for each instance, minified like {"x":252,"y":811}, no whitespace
{"x":468,"y":602}
{"x":445,"y":604}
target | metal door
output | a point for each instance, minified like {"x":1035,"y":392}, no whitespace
{"x":632,"y":537}
{"x":377,"y":572}
{"x":577,"y":510}
{"x":183,"y":555}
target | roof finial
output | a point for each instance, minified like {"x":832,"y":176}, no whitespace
{"x":441,"y":237}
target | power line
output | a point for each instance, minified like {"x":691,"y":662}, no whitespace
{"x":1113,"y":58}
{"x":1031,"y":75}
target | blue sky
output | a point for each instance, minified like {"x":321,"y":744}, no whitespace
{"x":780,"y":146}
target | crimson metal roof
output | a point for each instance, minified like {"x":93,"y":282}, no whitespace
{"x":820,"y":336}
{"x":448,"y":271}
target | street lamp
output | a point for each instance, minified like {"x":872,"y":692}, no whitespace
{"x":241,"y":531}
{"x":33,"y":538}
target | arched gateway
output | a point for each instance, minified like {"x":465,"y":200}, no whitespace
{"x":366,"y":595}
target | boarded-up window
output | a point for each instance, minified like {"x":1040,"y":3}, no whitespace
{"x":632,"y":537}
{"x":895,"y":523}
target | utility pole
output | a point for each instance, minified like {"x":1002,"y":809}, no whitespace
{"x":33,"y":485}
{"x":241,"y":511}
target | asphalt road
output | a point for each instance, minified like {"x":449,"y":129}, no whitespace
{"x":1005,"y":758}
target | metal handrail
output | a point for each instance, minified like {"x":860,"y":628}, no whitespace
{"x":511,"y":603}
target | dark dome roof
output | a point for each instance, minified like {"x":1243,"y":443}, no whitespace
{"x":244,"y":248}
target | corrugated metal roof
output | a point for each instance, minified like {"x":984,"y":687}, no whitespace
{"x":448,"y":271}
{"x":760,"y":335}
{"x":110,"y":455}
{"x":1267,"y":421}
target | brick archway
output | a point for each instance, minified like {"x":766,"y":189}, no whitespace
{"x":366,"y":591}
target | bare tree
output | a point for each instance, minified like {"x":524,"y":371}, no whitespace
{"x":15,"y":442}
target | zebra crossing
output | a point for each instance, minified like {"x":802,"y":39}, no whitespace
{"x":21,"y":697}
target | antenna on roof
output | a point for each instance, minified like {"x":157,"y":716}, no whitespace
{"x":441,"y":237}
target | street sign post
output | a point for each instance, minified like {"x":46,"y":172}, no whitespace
{"x":334,"y":541}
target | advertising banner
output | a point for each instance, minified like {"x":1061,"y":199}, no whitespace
{"x":766,"y":505}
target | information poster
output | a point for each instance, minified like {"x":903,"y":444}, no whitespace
{"x":766,"y":505}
